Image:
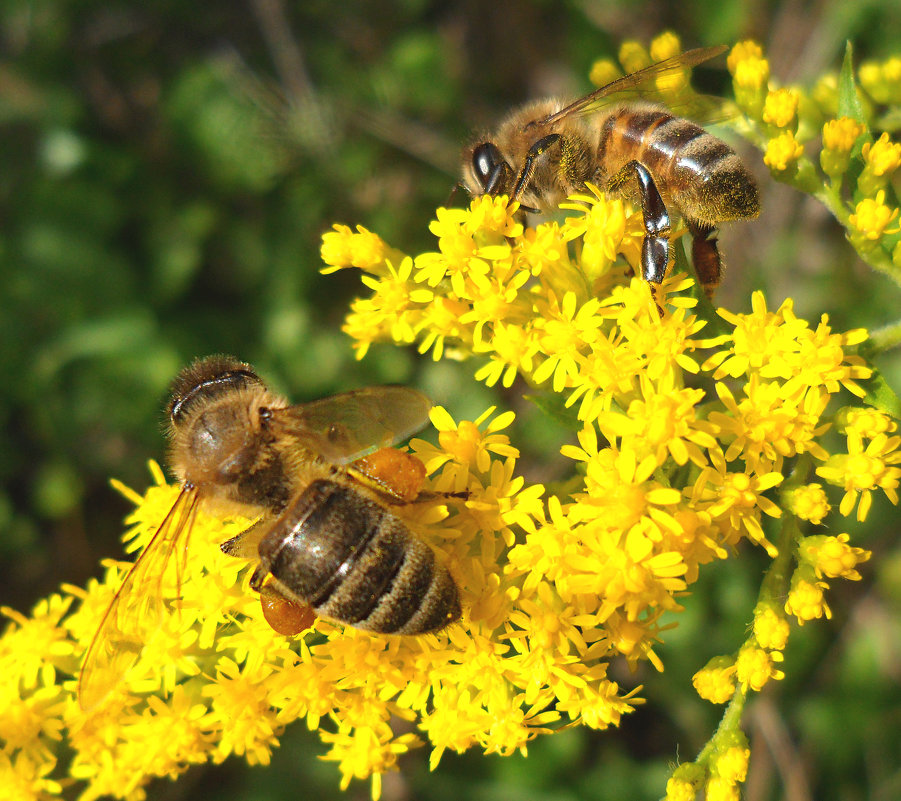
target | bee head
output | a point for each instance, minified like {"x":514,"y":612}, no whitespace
{"x":486,"y":170}
{"x":206,"y":379}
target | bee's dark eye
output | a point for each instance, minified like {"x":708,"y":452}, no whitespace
{"x":486,"y":160}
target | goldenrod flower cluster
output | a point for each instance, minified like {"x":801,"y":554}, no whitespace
{"x":839,"y":118}
{"x":693,"y":439}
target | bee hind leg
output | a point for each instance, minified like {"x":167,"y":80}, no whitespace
{"x":705,"y":256}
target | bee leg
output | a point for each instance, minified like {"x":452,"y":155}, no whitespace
{"x":246,"y":544}
{"x":705,"y":256}
{"x":655,"y":247}
{"x":528,"y":166}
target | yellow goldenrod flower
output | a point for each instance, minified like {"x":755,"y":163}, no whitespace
{"x":781,"y":107}
{"x":808,"y":502}
{"x":341,"y":248}
{"x":782,"y":152}
{"x":866,"y":467}
{"x":678,"y":789}
{"x":603,"y":71}
{"x":720,"y":789}
{"x":832,"y":556}
{"x":883,"y":156}
{"x":839,"y":136}
{"x":770,"y":627}
{"x":633,"y":56}
{"x":864,"y":421}
{"x":685,"y":782}
{"x":754,"y":667}
{"x":871,"y":219}
{"x":665,"y":45}
{"x":805,"y":598}
{"x":750,"y":74}
{"x":882,"y":80}
{"x":731,"y":762}
{"x":715,"y":682}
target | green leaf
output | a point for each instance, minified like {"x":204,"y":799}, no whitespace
{"x":554,"y":406}
{"x":881,"y":395}
{"x":849,"y":104}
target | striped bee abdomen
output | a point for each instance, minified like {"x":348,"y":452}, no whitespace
{"x":355,"y":562}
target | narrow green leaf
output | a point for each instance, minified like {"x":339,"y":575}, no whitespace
{"x":849,"y":104}
{"x":554,"y":406}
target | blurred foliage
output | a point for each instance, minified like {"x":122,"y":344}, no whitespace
{"x":165,"y":175}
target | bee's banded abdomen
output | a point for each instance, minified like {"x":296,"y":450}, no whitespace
{"x":699,"y":172}
{"x":355,"y":562}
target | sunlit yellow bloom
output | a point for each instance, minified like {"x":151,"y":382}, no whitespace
{"x":665,"y":45}
{"x":768,"y":424}
{"x":678,"y":789}
{"x":720,"y":789}
{"x":770,"y":627}
{"x":865,"y":421}
{"x":737,"y":499}
{"x":685,"y":782}
{"x":871,"y":218}
{"x":750,"y":72}
{"x":633,"y":56}
{"x":512,"y":350}
{"x":832,"y":556}
{"x":805,"y":598}
{"x":780,"y":345}
{"x":882,"y":80}
{"x":782,"y":151}
{"x":866,"y":467}
{"x":883,"y":156}
{"x":808,"y":502}
{"x":732,"y":763}
{"x":715,"y":682}
{"x":839,"y":136}
{"x":663,"y":423}
{"x":754,"y":667}
{"x":603,"y":71}
{"x":365,"y":250}
{"x":780,"y":107}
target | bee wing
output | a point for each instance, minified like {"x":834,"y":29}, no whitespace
{"x":135,"y":609}
{"x":344,"y":427}
{"x":635,"y":81}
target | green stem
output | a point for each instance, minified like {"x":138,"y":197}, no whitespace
{"x":886,"y":338}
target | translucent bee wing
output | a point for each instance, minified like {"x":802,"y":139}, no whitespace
{"x":344,"y":427}
{"x":635,"y":82}
{"x":136,"y":608}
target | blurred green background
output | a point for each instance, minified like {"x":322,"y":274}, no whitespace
{"x":166,"y":172}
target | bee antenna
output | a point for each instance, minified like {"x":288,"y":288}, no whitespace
{"x":453,"y":192}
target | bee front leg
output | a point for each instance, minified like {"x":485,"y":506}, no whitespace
{"x":528,"y":167}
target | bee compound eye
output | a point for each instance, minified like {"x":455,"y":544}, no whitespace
{"x":486,"y":159}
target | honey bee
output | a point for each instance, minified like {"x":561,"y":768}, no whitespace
{"x":548,"y":150}
{"x":320,"y":476}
